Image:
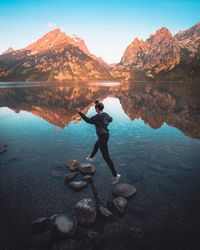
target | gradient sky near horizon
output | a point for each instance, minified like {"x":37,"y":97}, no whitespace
{"x":107,"y":26}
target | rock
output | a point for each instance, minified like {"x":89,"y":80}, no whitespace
{"x":73,"y":165}
{"x":56,"y":173}
{"x":2,"y":150}
{"x":105,"y":212}
{"x":77,"y":185}
{"x":40,"y":224}
{"x":87,"y":177}
{"x":85,"y":211}
{"x":149,"y":57}
{"x":124,"y":190}
{"x":69,"y":177}
{"x":87,"y":168}
{"x":64,"y":225}
{"x":92,"y":235}
{"x":120,"y":204}
{"x":14,"y":158}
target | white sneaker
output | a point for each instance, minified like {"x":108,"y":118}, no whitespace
{"x":88,"y":158}
{"x":116,"y":179}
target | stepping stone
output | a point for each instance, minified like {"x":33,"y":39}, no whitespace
{"x":73,"y":165}
{"x":124,"y":190}
{"x":120,"y":204}
{"x":105,"y":212}
{"x":85,"y":211}
{"x":87,"y":177}
{"x":69,"y":177}
{"x":64,"y":225}
{"x":77,"y":185}
{"x":87,"y":168}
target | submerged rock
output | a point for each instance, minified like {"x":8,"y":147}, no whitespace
{"x":73,"y":165}
{"x":120,"y":204}
{"x":124,"y":190}
{"x":40,"y":224}
{"x":105,"y":212}
{"x":64,"y":225}
{"x":69,"y":177}
{"x":77,"y":185}
{"x":56,"y":173}
{"x":85,"y":211}
{"x":2,"y":150}
{"x":87,"y":177}
{"x":92,"y":235}
{"x":14,"y":158}
{"x":87,"y":168}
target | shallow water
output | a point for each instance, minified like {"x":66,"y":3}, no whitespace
{"x":154,"y":143}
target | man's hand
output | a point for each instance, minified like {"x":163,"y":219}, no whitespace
{"x":78,"y":110}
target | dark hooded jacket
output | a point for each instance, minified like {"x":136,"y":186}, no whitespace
{"x":100,"y":120}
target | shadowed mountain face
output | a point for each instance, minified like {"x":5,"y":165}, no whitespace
{"x":176,"y":105}
{"x":58,"y":57}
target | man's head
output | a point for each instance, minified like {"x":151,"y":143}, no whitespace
{"x":98,"y":106}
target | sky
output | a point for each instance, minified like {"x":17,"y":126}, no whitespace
{"x":107,"y":26}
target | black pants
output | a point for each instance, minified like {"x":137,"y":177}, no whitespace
{"x":102,"y":143}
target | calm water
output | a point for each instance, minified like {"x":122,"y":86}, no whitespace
{"x":154,"y":143}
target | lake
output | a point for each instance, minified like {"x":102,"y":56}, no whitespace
{"x":154,"y":143}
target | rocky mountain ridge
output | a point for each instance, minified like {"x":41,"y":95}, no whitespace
{"x":160,"y":57}
{"x":53,"y":57}
{"x":59,"y":57}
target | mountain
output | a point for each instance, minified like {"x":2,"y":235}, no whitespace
{"x":53,"y":57}
{"x":78,"y":41}
{"x":59,"y":57}
{"x":162,"y":57}
{"x":9,"y":50}
{"x":189,"y":66}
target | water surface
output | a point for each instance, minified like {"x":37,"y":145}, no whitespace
{"x":154,"y":143}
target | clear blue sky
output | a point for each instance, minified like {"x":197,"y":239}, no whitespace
{"x":107,"y":26}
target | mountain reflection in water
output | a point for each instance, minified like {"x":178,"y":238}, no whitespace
{"x":154,"y":145}
{"x":174,"y":104}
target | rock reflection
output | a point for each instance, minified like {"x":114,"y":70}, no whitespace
{"x":174,"y":104}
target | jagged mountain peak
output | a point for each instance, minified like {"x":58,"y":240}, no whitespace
{"x":163,"y":30}
{"x":78,"y":41}
{"x":160,"y":34}
{"x":50,"y":40}
{"x":53,"y":57}
{"x":9,"y":50}
{"x":77,"y":38}
{"x":55,"y":31}
{"x":57,"y":56}
{"x":136,"y":40}
{"x":193,"y":32}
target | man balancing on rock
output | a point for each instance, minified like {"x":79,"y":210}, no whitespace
{"x":101,"y":121}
